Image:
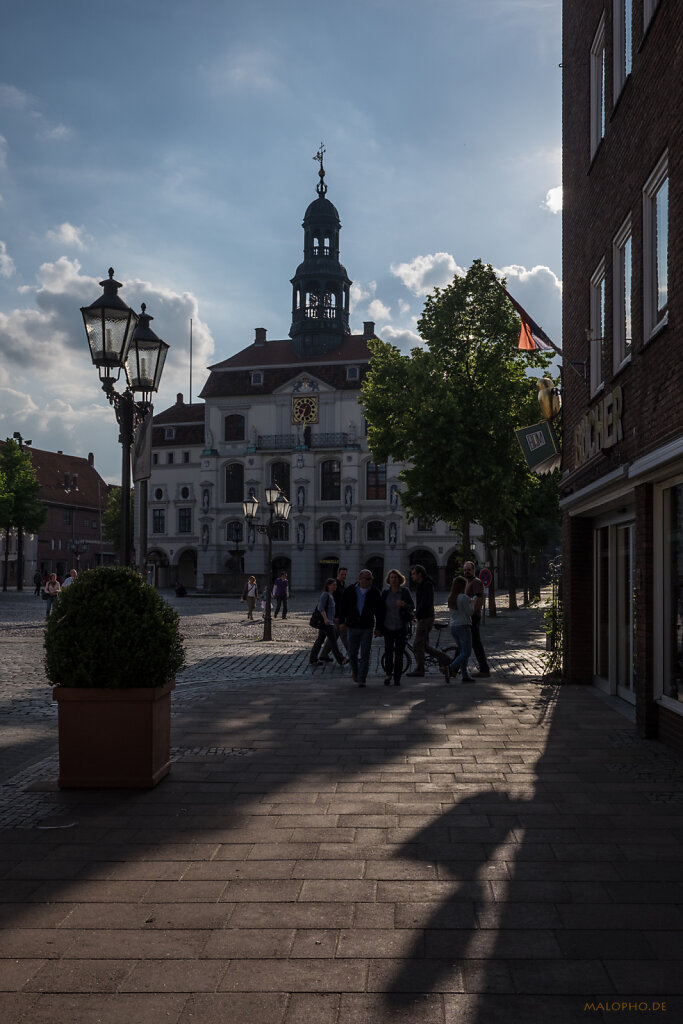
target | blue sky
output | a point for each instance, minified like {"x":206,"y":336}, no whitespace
{"x":174,"y":140}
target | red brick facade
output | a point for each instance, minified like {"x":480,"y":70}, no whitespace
{"x":629,"y":430}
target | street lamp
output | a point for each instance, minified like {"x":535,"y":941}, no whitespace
{"x":20,"y":529}
{"x":121,"y":340}
{"x":78,"y":547}
{"x":278,"y":511}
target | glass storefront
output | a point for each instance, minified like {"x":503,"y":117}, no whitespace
{"x":673,"y":593}
{"x":614,"y":607}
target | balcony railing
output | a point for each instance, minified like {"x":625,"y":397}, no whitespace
{"x":282,"y":442}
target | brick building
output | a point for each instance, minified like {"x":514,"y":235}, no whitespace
{"x":622,"y":473}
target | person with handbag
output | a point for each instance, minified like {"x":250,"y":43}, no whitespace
{"x":325,"y":624}
{"x":249,"y":594}
{"x":398,"y":614}
{"x":52,"y":588}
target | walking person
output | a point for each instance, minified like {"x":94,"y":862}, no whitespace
{"x":424,"y":614}
{"x":37,"y":583}
{"x":52,"y":588}
{"x":398,"y":613}
{"x":475,"y":590}
{"x":326,"y":607}
{"x":338,"y":594}
{"x":361,"y":615}
{"x":281,"y":593}
{"x":249,"y":594}
{"x":461,"y":627}
{"x":68,"y":580}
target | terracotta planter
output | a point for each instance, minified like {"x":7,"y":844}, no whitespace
{"x":113,"y":739}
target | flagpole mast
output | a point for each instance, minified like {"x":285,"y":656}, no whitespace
{"x":190,"y":360}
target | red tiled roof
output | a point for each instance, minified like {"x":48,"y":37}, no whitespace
{"x":354,"y":348}
{"x":68,"y":479}
{"x":181,"y":412}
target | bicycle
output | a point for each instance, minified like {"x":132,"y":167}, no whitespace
{"x":430,"y":659}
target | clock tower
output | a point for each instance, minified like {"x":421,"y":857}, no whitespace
{"x":321,"y":286}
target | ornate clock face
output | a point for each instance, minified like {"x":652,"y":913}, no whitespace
{"x":305,"y":409}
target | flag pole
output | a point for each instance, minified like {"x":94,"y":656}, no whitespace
{"x":190,"y":360}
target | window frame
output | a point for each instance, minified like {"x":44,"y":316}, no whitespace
{"x":184,"y":520}
{"x":597,"y":329}
{"x":622,"y":295}
{"x":239,"y":435}
{"x":325,"y":531}
{"x":330,"y":481}
{"x":653,"y":319}
{"x":381,"y":533}
{"x":377,"y":489}
{"x":228,"y":499}
{"x":597,"y":87}
{"x":158,"y":516}
{"x":622,"y":39}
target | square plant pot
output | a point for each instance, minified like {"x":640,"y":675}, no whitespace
{"x":113,"y":739}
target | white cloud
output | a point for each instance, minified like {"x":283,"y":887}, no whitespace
{"x":21,"y":101}
{"x":378,"y":311}
{"x":424,"y":273}
{"x":68,"y":234}
{"x":404,"y":339}
{"x":14,"y":99}
{"x":359,"y":293}
{"x":6,"y":262}
{"x":539,"y":291}
{"x":3,"y":151}
{"x":403,"y":307}
{"x":553,"y":200}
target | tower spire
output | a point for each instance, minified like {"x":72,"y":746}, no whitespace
{"x":321,"y":187}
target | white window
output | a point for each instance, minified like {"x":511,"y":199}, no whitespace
{"x":169,"y":433}
{"x":598,"y":87}
{"x":256,"y":378}
{"x":656,"y":249}
{"x":352,"y":373}
{"x":597,"y":328}
{"x":623,"y":42}
{"x":622,"y":270}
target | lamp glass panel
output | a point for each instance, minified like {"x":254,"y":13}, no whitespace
{"x":272,"y":494}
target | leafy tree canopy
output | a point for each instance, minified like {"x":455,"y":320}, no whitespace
{"x":20,"y":503}
{"x":449,"y":410}
{"x":112,"y":526}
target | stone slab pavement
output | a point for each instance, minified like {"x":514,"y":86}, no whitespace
{"x":502,"y":852}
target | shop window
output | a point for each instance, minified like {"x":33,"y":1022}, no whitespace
{"x":673,"y":593}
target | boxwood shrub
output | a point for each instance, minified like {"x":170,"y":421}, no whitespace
{"x":110,"y":629}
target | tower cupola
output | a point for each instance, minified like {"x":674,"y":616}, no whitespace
{"x":321,"y":287}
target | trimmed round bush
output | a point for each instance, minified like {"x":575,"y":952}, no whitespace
{"x":111,"y":630}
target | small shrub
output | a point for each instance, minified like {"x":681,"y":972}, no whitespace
{"x":111,"y":630}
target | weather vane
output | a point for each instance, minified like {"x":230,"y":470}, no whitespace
{"x":321,"y":187}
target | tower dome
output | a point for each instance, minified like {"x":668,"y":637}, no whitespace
{"x":320,"y":286}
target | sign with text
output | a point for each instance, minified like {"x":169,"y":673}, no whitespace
{"x":540,"y":447}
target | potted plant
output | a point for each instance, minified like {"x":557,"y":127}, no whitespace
{"x":112,"y":648}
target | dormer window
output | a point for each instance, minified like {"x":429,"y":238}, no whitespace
{"x":169,"y":433}
{"x":256,"y":378}
{"x":352,"y":373}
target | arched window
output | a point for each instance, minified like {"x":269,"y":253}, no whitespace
{"x":234,"y":428}
{"x":330,"y":480}
{"x":376,"y":481}
{"x":280,"y":531}
{"x":279,"y":475}
{"x":331,"y":530}
{"x":234,"y":482}
{"x":234,"y":531}
{"x":375,"y":530}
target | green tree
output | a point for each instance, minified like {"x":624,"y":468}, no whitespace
{"x":20,"y":505}
{"x":449,"y":410}
{"x":112,"y":525}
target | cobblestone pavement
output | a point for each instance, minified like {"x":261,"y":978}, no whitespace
{"x":502,"y":852}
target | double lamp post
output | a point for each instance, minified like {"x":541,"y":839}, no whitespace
{"x":120,"y":339}
{"x":278,"y":512}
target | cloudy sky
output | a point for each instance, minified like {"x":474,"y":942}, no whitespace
{"x":173,"y":140}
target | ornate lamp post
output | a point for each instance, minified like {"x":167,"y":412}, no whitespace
{"x":120,"y":340}
{"x":278,"y":512}
{"x":20,"y":529}
{"x":78,"y":547}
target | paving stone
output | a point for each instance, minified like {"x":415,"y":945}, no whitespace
{"x":236,"y":1008}
{"x":324,"y":975}
{"x":174,"y":976}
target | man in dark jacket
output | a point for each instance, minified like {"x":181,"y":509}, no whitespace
{"x":424,"y":613}
{"x":361,"y":615}
{"x":281,"y":593}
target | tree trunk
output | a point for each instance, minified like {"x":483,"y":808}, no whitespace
{"x":465,"y":541}
{"x":510,"y":573}
{"x":493,"y":611}
{"x":6,"y":572}
{"x":525,"y":577}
